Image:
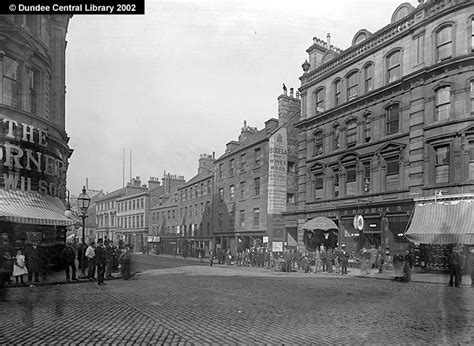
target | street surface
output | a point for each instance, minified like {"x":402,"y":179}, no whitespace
{"x":192,"y":303}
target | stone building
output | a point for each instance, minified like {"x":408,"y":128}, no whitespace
{"x":194,"y":210}
{"x":162,"y":235}
{"x":386,"y":120}
{"x":255,"y":181}
{"x":34,"y":150}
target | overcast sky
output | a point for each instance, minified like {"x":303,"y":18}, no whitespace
{"x":180,"y":80}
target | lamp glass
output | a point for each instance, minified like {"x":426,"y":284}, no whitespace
{"x":83,"y":200}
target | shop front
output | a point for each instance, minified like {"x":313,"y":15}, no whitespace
{"x":439,"y":223}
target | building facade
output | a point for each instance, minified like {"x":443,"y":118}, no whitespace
{"x":255,"y":181}
{"x":385,"y":121}
{"x":194,"y":210}
{"x":34,"y":144}
{"x":162,"y":235}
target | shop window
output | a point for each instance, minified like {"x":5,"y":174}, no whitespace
{"x":444,"y":43}
{"x":318,"y":143}
{"x":319,"y":96}
{"x":392,"y":119}
{"x":256,"y":216}
{"x":351,"y":133}
{"x":318,"y":186}
{"x":352,"y":85}
{"x":443,"y":103}
{"x":351,"y":181}
{"x":242,"y":218}
{"x":337,"y":92}
{"x":369,"y":78}
{"x":392,"y":174}
{"x":394,"y":66}
{"x":442,"y":164}
{"x":11,"y":86}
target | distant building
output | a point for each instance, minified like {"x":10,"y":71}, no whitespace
{"x":194,"y":210}
{"x":255,"y":181}
{"x":162,"y":234}
{"x":385,"y":121}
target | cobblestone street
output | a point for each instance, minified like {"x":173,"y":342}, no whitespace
{"x":221,"y":305}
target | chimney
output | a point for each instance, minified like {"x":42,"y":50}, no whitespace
{"x":246,"y":131}
{"x":206,"y":164}
{"x":271,"y":125}
{"x":153,"y":183}
{"x":289,"y":110}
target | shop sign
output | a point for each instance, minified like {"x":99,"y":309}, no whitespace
{"x":277,"y":246}
{"x":400,"y":208}
{"x":28,"y":162}
{"x":277,"y":171}
{"x":359,"y":222}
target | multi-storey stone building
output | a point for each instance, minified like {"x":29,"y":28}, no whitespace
{"x":194,"y":210}
{"x":385,"y":121}
{"x":255,"y":180}
{"x":162,"y":235}
{"x":133,"y":211}
{"x":34,"y":149}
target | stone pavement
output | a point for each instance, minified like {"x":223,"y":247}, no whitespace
{"x":228,"y":305}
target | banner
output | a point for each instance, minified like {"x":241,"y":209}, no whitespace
{"x":277,"y":171}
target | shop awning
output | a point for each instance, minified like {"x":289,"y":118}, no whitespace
{"x":446,"y":222}
{"x":320,"y":223}
{"x":32,"y":208}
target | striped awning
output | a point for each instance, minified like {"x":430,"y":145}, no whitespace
{"x":443,"y":223}
{"x":32,"y":208}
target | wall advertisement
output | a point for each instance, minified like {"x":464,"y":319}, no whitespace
{"x":277,"y":171}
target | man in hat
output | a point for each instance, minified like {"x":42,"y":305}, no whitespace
{"x":100,"y":261}
{"x":455,"y":262}
{"x":90,"y":256}
{"x":69,"y":257}
{"x":343,"y":259}
{"x":34,"y":261}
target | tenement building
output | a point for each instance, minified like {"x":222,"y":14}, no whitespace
{"x":162,"y":233}
{"x":255,"y":181}
{"x":34,"y":149}
{"x":385,"y":122}
{"x":194,"y":210}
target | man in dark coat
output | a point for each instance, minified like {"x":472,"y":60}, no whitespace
{"x":34,"y":261}
{"x":100,"y":261}
{"x":109,"y":256}
{"x":69,"y":257}
{"x":455,"y":262}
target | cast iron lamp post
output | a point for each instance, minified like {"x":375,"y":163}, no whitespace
{"x":83,"y":200}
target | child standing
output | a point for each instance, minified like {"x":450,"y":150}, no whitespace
{"x":19,"y":267}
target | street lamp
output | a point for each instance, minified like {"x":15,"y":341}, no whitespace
{"x":83,"y":200}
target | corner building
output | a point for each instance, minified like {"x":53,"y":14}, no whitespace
{"x":385,"y":121}
{"x":34,"y":149}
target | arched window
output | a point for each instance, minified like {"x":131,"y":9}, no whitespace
{"x":11,"y":82}
{"x":392,"y":120}
{"x":443,"y":103}
{"x":337,"y":92}
{"x":319,"y":96}
{"x":318,"y":148}
{"x":352,"y":85}
{"x":351,"y":133}
{"x":394,"y":66}
{"x":369,"y":78}
{"x":444,"y":43}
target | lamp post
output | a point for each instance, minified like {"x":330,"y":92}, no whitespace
{"x":83,"y":200}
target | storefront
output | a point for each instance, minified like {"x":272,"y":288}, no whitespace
{"x":438,"y":224}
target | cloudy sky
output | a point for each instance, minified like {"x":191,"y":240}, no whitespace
{"x":180,"y":80}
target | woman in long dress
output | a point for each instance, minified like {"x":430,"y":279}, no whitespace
{"x":19,"y":267}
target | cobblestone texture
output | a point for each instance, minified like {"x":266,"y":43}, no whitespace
{"x":202,"y":305}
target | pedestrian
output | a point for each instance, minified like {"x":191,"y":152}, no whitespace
{"x":90,"y":256}
{"x":81,"y":257}
{"x":124,"y":261}
{"x":343,"y":259}
{"x":408,"y":264}
{"x":211,"y":258}
{"x":373,"y":257}
{"x":365,"y":266}
{"x":100,"y":261}
{"x":8,"y":265}
{"x":337,"y":262}
{"x":398,"y":263}
{"x":317,"y":261}
{"x":329,"y":260}
{"x":68,"y":254}
{"x":34,"y":261}
{"x":4,"y":273}
{"x":455,"y":263}
{"x":470,"y":264}
{"x":323,"y":257}
{"x":109,"y":259}
{"x":380,"y":259}
{"x":19,"y":267}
